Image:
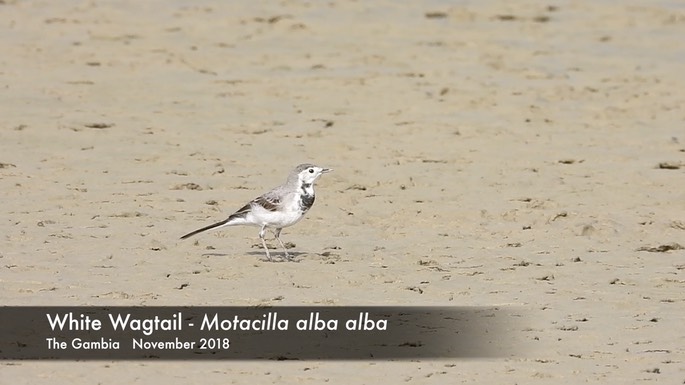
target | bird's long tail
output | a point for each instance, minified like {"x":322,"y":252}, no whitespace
{"x":212,"y":226}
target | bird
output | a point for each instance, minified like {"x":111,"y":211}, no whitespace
{"x":278,"y":208}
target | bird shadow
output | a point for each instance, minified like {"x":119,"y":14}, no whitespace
{"x":278,"y":256}
{"x":275,"y":256}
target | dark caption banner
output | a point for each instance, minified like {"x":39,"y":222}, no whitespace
{"x":247,"y":333}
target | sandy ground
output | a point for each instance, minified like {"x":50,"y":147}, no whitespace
{"x":485,"y":153}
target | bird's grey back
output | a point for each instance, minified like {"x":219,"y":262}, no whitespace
{"x":292,"y":178}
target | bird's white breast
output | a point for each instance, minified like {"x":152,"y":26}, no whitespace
{"x":288,"y":214}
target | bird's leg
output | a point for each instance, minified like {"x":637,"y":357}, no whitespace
{"x":277,"y":233}
{"x":261,"y":236}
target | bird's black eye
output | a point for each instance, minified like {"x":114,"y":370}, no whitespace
{"x":311,"y":170}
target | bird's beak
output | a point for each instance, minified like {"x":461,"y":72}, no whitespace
{"x":325,"y":170}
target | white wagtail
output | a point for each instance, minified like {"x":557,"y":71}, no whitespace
{"x":281,"y":207}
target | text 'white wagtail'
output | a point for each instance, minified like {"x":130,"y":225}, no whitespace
{"x":281,"y":207}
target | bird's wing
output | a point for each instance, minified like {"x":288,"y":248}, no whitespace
{"x":241,"y":213}
{"x":269,"y":202}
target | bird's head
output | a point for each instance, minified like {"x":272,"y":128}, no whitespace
{"x":308,"y":173}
